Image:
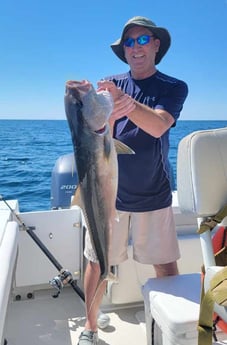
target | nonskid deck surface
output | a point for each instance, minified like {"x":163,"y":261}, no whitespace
{"x":45,"y":320}
{"x":59,"y":321}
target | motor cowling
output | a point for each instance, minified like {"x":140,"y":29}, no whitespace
{"x":64,"y":181}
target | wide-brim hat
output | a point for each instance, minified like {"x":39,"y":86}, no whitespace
{"x":161,"y":33}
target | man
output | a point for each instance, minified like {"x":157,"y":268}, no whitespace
{"x":147,"y":103}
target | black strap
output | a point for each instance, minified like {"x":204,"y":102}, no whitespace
{"x":152,"y":332}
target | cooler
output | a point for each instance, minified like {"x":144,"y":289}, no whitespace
{"x":172,"y":309}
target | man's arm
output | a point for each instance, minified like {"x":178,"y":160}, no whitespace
{"x":152,"y":121}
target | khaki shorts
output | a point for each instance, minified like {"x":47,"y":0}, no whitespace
{"x":152,"y":235}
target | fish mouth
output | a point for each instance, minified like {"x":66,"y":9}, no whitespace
{"x":101,"y":130}
{"x":83,"y":84}
{"x":77,"y":88}
{"x":83,"y":94}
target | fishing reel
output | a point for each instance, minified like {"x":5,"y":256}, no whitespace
{"x":58,"y":282}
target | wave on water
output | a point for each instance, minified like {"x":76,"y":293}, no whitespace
{"x":22,"y":160}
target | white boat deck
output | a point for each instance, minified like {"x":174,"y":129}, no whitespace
{"x":59,"y":321}
{"x":45,"y":320}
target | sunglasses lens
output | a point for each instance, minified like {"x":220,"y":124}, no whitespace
{"x":144,"y":39}
{"x":129,"y":42}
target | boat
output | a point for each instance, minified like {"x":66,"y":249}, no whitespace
{"x":42,"y":269}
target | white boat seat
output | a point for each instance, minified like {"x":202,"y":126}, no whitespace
{"x":202,"y":172}
{"x":9,"y":234}
{"x":202,"y":185}
{"x":173,"y":303}
{"x":202,"y":192}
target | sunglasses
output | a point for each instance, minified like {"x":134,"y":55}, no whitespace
{"x":141,"y":40}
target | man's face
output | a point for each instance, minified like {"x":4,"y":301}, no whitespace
{"x":140,"y":57}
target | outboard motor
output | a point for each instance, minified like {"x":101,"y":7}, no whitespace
{"x":64,"y":181}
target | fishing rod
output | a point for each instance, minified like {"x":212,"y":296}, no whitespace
{"x":65,"y":277}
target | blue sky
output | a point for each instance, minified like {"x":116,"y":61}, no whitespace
{"x":45,"y":42}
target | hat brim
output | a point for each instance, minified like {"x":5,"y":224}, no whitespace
{"x":161,"y":33}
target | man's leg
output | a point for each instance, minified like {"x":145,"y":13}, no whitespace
{"x":169,"y":269}
{"x":93,"y":289}
{"x":93,"y":294}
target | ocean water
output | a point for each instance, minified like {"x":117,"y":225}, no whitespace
{"x":30,"y":148}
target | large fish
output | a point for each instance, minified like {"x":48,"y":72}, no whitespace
{"x":96,"y":160}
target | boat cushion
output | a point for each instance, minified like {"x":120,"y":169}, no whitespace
{"x":8,"y":255}
{"x":166,"y":299}
{"x":202,"y":172}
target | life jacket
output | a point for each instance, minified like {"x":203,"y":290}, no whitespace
{"x":219,"y":243}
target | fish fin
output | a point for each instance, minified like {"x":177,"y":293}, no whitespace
{"x":121,"y":148}
{"x":111,"y":277}
{"x":76,"y":199}
{"x":116,"y":216}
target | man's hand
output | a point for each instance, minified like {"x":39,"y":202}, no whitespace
{"x":105,"y":85}
{"x":123,"y":103}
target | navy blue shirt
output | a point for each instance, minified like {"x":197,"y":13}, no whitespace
{"x":144,"y":180}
